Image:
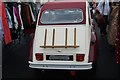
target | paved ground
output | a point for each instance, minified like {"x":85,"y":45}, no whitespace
{"x":15,"y":63}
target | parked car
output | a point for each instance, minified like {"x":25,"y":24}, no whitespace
{"x":64,"y":37}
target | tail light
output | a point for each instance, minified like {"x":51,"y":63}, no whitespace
{"x":80,"y":57}
{"x":39,"y":56}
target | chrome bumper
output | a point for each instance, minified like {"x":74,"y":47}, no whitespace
{"x":64,"y":66}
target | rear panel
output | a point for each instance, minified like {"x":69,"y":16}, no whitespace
{"x":60,"y":45}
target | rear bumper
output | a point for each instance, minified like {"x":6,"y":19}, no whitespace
{"x":63,"y":66}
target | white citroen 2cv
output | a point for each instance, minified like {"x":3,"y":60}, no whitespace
{"x":63,"y":37}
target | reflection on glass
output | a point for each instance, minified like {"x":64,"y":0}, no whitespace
{"x":58,"y":16}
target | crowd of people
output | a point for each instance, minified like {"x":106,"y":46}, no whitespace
{"x":106,"y":15}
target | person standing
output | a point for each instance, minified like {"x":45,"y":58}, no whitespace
{"x":104,"y":10}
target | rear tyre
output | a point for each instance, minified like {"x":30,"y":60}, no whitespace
{"x":94,"y":66}
{"x":93,"y":70}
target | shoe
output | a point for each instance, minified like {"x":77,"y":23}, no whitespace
{"x":105,"y":33}
{"x":102,"y":35}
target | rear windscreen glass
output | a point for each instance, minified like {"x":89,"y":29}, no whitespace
{"x":58,"y":16}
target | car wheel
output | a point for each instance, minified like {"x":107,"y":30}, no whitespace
{"x":94,"y":69}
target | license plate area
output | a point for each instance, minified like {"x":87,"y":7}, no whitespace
{"x":59,"y":57}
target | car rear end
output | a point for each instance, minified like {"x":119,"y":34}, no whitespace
{"x":60,"y":48}
{"x":62,"y":41}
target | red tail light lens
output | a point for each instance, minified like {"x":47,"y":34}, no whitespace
{"x":39,"y":56}
{"x":80,"y":57}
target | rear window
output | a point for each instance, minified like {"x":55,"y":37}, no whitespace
{"x":59,"y":16}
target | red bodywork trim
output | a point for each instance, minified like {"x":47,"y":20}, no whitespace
{"x":64,"y":5}
{"x":31,"y":49}
{"x":93,"y":54}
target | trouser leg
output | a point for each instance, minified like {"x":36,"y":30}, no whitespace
{"x":105,"y":25}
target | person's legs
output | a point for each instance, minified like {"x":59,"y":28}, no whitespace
{"x":102,"y":29}
{"x":105,"y":25}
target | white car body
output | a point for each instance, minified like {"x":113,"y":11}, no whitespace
{"x":63,"y":40}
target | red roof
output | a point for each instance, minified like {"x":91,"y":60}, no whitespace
{"x":70,"y":0}
{"x":64,"y":4}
